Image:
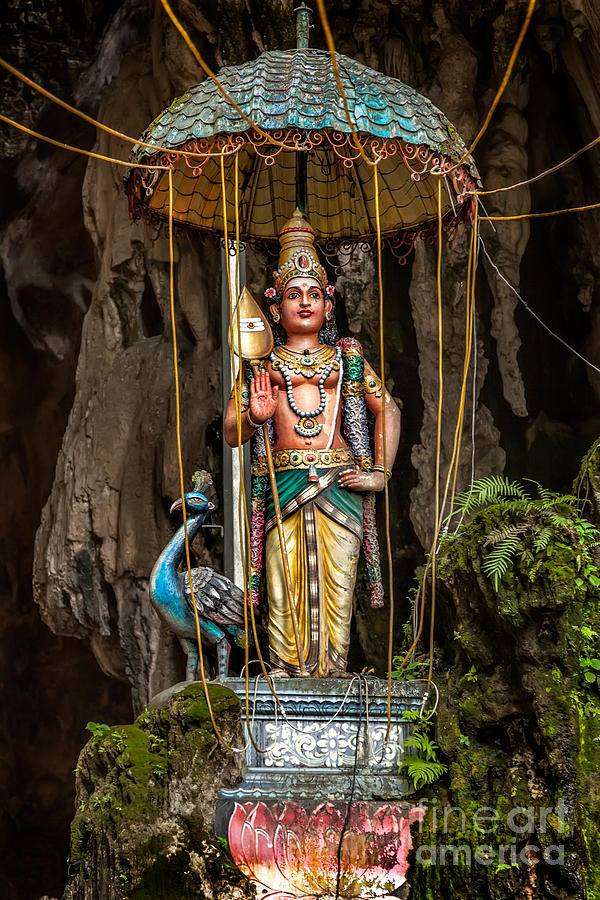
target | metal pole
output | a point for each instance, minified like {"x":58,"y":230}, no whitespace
{"x":303,"y":17}
{"x":233,"y":566}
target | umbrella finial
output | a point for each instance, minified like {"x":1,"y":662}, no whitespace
{"x":303,"y":16}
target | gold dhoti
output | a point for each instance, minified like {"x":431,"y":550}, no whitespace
{"x":322,"y":525}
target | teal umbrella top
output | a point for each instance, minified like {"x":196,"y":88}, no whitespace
{"x":293,"y":96}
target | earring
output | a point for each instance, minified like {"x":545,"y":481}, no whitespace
{"x":276,"y":317}
{"x":328,"y":315}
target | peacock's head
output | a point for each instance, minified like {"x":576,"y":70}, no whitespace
{"x":196,"y":504}
{"x":197,"y":501}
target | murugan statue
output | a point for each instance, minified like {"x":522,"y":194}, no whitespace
{"x":315,"y":393}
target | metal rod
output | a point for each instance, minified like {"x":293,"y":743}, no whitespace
{"x":303,"y":17}
{"x":233,"y":565}
{"x":302,"y":181}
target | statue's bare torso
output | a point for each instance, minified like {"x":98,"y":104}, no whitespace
{"x":306,"y":395}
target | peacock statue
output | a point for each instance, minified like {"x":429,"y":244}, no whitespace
{"x":220,"y":603}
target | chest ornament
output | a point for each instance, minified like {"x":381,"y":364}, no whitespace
{"x":321,"y":363}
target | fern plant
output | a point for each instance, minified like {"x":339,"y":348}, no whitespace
{"x":422,"y":766}
{"x":531,"y":523}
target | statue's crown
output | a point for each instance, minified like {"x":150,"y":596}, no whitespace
{"x":298,"y":255}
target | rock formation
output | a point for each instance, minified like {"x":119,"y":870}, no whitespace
{"x":145,"y":804}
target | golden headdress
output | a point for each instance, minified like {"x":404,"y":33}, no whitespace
{"x":297,"y":256}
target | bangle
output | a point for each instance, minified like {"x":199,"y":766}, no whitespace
{"x":250,"y":420}
{"x":386,"y":472}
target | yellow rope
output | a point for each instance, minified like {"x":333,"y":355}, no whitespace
{"x":386,"y":494}
{"x":540,"y":215}
{"x":127,"y":164}
{"x":540,"y":175}
{"x":338,"y":79}
{"x":209,"y":72}
{"x":453,"y":468}
{"x":469,"y":319}
{"x":243,"y":518}
{"x":188,"y":559}
{"x":507,"y":74}
{"x":470,"y":301}
{"x":97,"y":124}
{"x":438,"y":440}
{"x":242,"y":511}
{"x":80,"y":150}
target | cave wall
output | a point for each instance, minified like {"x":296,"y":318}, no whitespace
{"x":87,"y":425}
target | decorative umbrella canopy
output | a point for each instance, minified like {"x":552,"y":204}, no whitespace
{"x":293,"y":96}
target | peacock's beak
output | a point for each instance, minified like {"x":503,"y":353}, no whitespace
{"x":177,"y":505}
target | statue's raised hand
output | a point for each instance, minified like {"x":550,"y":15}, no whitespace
{"x":263,"y":397}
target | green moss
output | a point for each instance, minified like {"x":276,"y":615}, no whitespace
{"x":125,"y":775}
{"x":518,"y":723}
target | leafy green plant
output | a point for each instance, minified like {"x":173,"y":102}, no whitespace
{"x":471,"y":675}
{"x":97,"y":729}
{"x":590,"y":667}
{"x":423,"y":766}
{"x":412,"y":670}
{"x":534,"y":526}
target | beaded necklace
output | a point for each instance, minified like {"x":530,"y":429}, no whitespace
{"x":307,"y":425}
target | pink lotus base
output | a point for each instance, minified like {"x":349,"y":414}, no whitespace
{"x":290,"y":849}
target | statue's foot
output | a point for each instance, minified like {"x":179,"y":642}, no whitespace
{"x":279,"y":673}
{"x":340,"y":673}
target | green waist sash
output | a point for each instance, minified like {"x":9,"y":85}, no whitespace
{"x":293,"y":482}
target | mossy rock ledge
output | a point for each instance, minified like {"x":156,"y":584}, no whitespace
{"x":143,"y":826}
{"x":518,"y":724}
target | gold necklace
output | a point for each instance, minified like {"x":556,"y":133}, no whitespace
{"x":305,"y":363}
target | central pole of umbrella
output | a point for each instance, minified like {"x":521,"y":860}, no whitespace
{"x":303,"y":26}
{"x":303,"y":17}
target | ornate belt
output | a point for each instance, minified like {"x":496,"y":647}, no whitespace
{"x":309,"y":459}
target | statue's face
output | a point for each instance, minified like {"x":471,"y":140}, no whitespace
{"x":303,"y":306}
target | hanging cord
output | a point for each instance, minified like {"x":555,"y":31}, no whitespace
{"x":243,"y":519}
{"x":533,"y":313}
{"x":242,"y":510}
{"x":438,"y":441}
{"x":238,"y":381}
{"x":386,"y":493}
{"x":101,"y":126}
{"x":470,"y":319}
{"x":188,"y":559}
{"x":352,"y":792}
{"x":499,"y":93}
{"x":250,"y":724}
{"x":127,"y":164}
{"x":431,"y":564}
{"x":280,"y":711}
{"x":430,"y":567}
{"x":209,"y":72}
{"x":419,"y":602}
{"x":338,"y":80}
{"x":473,"y":411}
{"x":540,"y":175}
{"x":89,"y":153}
{"x":456,"y":444}
{"x":541,"y":215}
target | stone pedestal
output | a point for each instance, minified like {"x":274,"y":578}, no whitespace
{"x":320,"y":810}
